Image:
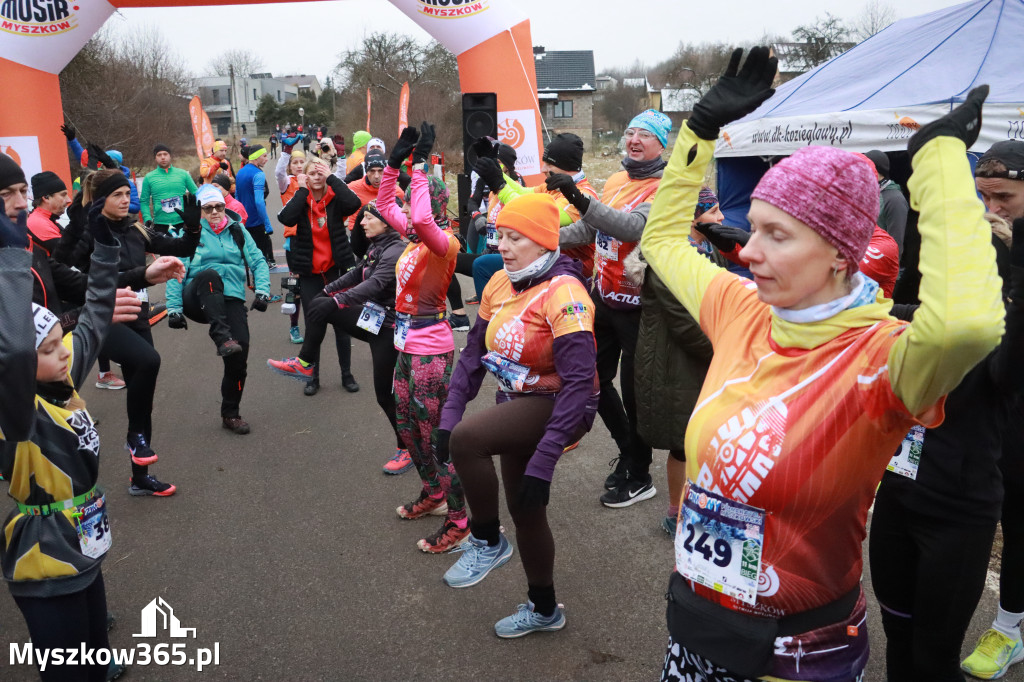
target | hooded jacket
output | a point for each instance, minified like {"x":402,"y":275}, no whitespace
{"x":296,"y":212}
{"x":49,"y":452}
{"x":374,"y":278}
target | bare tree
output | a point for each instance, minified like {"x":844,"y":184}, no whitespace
{"x":128,"y":90}
{"x":381,"y":64}
{"x":876,"y":15}
{"x":246,"y":63}
{"x":822,"y":40}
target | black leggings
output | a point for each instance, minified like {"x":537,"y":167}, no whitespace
{"x":512,"y":431}
{"x":132,"y":348}
{"x":262,"y":239}
{"x":455,"y":294}
{"x":928,"y":574}
{"x":1011,"y":576}
{"x":309,"y":287}
{"x":615,"y":332}
{"x":203,"y":301}
{"x":66,"y":622}
{"x":383,"y":354}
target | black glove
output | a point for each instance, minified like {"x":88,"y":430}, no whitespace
{"x":319,"y":309}
{"x":426,"y":143}
{"x":490,"y":172}
{"x":223,"y":165}
{"x":534,"y":492}
{"x":69,"y":132}
{"x":322,"y":293}
{"x":443,"y":453}
{"x":190,"y":213}
{"x":724,"y":238}
{"x":102,"y":157}
{"x":403,"y":147}
{"x":13,"y":234}
{"x":564,"y":184}
{"x":479,"y":223}
{"x":485,"y":149}
{"x":735,"y":94}
{"x":177,"y":321}
{"x":99,"y":226}
{"x":963,"y":123}
{"x":260,"y":303}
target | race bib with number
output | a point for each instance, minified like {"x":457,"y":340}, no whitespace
{"x":908,"y":459}
{"x":719,"y":543}
{"x":492,"y":236}
{"x":372,"y":317}
{"x":608,"y":246}
{"x":168,"y":205}
{"x":401,"y":330}
{"x":142,"y":295}
{"x":512,"y":376}
{"x":94,"y":529}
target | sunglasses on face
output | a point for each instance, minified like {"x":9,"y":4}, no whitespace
{"x":213,"y":208}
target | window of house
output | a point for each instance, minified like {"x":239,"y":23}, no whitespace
{"x":563,"y":108}
{"x":216,"y":96}
{"x":278,"y":95}
{"x":254,"y":95}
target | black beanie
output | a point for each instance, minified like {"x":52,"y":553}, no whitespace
{"x":565,"y":151}
{"x":507,"y":155}
{"x":10,"y":172}
{"x":110,"y":185}
{"x":374,"y":160}
{"x":880,"y":160}
{"x":161,"y":148}
{"x":46,"y":183}
{"x":222,"y":179}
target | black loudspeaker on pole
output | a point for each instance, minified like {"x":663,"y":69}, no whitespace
{"x":479,"y":119}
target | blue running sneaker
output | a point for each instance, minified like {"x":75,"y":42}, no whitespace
{"x":477,"y":561}
{"x":525,"y":620}
{"x":668,"y":524}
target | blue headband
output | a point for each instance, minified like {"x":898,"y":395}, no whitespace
{"x":655,"y":122}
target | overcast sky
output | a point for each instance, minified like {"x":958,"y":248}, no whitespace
{"x":307,"y":37}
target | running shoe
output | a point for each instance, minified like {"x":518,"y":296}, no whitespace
{"x":295,"y":335}
{"x":423,"y":505}
{"x":399,"y":464}
{"x":525,"y":620}
{"x":148,"y":485}
{"x":111,"y":619}
{"x":276,"y":298}
{"x":141,"y":453}
{"x":994,"y":654}
{"x":570,"y":447}
{"x":618,"y":475}
{"x":459,"y":323}
{"x":109,"y":380}
{"x":348,"y":382}
{"x":229,"y":347}
{"x":629,"y":492}
{"x":477,"y":560}
{"x":668,"y":524}
{"x":115,"y":670}
{"x":472,"y":301}
{"x":236,"y":424}
{"x":293,"y":367}
{"x":312,"y":387}
{"x":448,"y":537}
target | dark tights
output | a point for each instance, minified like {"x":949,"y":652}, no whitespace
{"x":66,"y":622}
{"x":382,"y":353}
{"x":309,"y":287}
{"x":263,"y":243}
{"x":512,"y":431}
{"x":1011,"y":576}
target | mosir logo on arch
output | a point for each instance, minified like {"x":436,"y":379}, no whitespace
{"x":37,"y":17}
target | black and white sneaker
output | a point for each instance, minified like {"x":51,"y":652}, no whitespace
{"x":629,"y":491}
{"x":459,"y":323}
{"x":618,"y":475}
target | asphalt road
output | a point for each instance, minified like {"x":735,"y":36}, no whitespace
{"x":283,"y":547}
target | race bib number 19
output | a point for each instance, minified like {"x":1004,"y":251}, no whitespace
{"x":719,"y":543}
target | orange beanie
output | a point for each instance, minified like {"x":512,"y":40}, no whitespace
{"x":535,"y":216}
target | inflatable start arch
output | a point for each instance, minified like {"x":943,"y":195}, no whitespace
{"x":38,"y":38}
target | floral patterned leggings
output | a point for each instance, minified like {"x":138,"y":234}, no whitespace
{"x":421,"y":388}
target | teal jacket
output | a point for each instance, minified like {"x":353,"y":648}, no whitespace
{"x":162,"y":191}
{"x":220,"y":252}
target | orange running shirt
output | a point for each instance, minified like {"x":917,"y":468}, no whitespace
{"x":782,"y":430}
{"x":423,"y":278}
{"x":522,"y":326}
{"x":613,"y":287}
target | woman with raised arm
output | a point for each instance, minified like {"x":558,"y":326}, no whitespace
{"x":811,"y":388}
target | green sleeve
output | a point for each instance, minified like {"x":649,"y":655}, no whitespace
{"x":190,"y":183}
{"x":960,"y":319}
{"x":147,"y":193}
{"x":685,"y":272}
{"x":513,"y":189}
